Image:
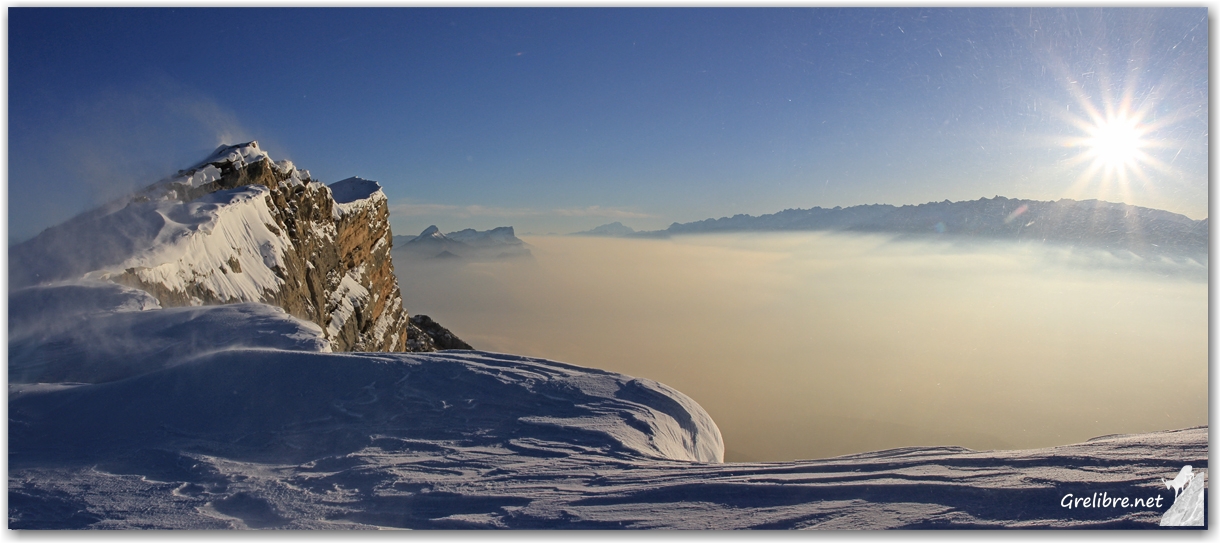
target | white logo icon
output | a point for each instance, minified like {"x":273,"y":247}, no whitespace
{"x":1180,"y":481}
{"x":1187,"y":509}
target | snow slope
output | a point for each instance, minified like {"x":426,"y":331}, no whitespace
{"x":166,"y":238}
{"x":284,"y":401}
{"x":223,"y":243}
{"x":93,"y":332}
{"x":124,"y":415}
{"x":261,"y":439}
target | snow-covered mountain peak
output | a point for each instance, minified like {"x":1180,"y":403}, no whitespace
{"x":354,"y":194}
{"x":237,"y":155}
{"x":432,"y":232}
{"x":355,"y":188}
{"x":238,"y":227}
{"x":229,"y":166}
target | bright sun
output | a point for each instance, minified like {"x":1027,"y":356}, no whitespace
{"x":1115,"y":144}
{"x":1115,"y":148}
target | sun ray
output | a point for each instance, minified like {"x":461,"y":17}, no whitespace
{"x":1114,"y":142}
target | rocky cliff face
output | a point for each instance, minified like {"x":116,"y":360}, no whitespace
{"x":239,"y":227}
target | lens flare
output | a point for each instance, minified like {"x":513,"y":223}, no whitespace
{"x":1116,"y":143}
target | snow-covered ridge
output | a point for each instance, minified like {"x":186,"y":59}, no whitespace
{"x":356,"y":189}
{"x":222,"y":244}
{"x":217,"y":172}
{"x":238,"y":227}
{"x":238,"y":155}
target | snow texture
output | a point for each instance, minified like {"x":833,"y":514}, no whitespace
{"x":98,"y":332}
{"x":265,"y":439}
{"x":348,"y":296}
{"x":355,"y":194}
{"x":354,"y":189}
{"x":166,"y":418}
{"x":169,"y":241}
{"x":199,"y":243}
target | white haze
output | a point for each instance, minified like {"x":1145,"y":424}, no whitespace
{"x":812,"y":345}
{"x":108,"y":145}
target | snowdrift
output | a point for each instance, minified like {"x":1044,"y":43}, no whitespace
{"x":251,"y":373}
{"x":94,"y":332}
{"x":209,"y":436}
{"x":272,"y":405}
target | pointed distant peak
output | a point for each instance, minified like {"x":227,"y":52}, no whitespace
{"x":432,"y":231}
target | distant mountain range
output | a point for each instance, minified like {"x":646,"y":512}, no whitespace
{"x":1095,"y":223}
{"x":469,"y":244}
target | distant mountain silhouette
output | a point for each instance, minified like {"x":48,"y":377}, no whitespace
{"x":1095,"y":223}
{"x":499,"y":242}
{"x":612,"y":230}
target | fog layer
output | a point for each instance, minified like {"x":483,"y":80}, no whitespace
{"x":812,"y":345}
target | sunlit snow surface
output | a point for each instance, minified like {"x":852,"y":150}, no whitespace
{"x":126,"y":415}
{"x":343,"y":445}
{"x":223,"y":437}
{"x":94,"y":332}
{"x":171,"y":243}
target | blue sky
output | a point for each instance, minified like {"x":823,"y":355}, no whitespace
{"x":558,"y":120}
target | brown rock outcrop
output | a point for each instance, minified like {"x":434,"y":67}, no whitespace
{"x":238,"y":227}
